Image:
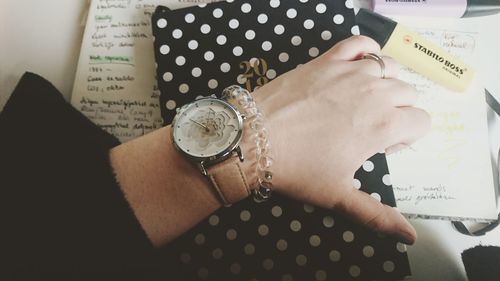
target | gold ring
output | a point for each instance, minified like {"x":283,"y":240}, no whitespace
{"x":378,"y":59}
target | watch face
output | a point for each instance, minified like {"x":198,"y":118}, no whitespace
{"x":206,"y":128}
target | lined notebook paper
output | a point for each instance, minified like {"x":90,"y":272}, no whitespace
{"x":448,"y":173}
{"x":115,"y":84}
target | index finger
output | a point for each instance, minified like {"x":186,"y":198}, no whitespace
{"x":410,"y":124}
{"x":368,"y":211}
{"x":353,"y":48}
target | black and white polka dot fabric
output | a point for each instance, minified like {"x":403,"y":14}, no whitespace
{"x":203,"y":49}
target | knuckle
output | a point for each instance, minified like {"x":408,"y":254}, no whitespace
{"x":356,"y":40}
{"x":409,"y":90}
{"x":346,"y":204}
{"x":364,"y":40}
{"x":378,"y":221}
{"x":387,"y":125}
{"x":372,"y":86}
{"x":340,"y":48}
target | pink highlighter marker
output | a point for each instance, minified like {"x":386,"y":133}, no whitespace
{"x":436,"y":8}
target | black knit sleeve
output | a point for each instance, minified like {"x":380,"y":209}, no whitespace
{"x":62,"y":212}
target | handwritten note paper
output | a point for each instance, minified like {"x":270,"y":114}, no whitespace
{"x":115,"y":83}
{"x":448,"y":173}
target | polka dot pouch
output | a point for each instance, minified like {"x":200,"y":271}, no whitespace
{"x":201,"y":50}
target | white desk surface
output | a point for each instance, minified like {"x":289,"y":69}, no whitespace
{"x":45,"y":37}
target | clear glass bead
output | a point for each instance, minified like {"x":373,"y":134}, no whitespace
{"x":260,"y":173}
{"x":230,"y":91}
{"x":249,"y":104}
{"x":245,"y":100}
{"x":262,"y":133}
{"x":257,"y":124}
{"x":263,"y":192}
{"x":264,"y":150}
{"x":226,"y":94}
{"x":250,"y":112}
{"x":261,"y":143}
{"x":259,"y":135}
{"x":264,"y":176}
{"x":268,"y":176}
{"x":256,"y":115}
{"x":242,"y":92}
{"x":252,"y":135}
{"x":265,"y":163}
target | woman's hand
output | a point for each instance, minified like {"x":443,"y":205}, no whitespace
{"x":326,"y":117}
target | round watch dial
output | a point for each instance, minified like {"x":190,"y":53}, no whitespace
{"x":207,"y":127}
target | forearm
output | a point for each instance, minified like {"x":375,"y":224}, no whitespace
{"x":168,"y":194}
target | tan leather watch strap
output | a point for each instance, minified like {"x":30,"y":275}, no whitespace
{"x":229,"y":181}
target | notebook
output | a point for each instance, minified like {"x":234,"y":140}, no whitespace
{"x":201,"y":50}
{"x":114,"y":82}
{"x":447,"y":174}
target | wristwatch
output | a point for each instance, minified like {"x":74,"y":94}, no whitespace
{"x":208,"y":132}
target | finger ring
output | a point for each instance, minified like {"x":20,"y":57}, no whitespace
{"x":378,"y":59}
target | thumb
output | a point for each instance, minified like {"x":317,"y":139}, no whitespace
{"x":366,"y":210}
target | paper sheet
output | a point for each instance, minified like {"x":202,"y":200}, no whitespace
{"x":115,"y":83}
{"x":448,"y":173}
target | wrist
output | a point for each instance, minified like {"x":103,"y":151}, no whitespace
{"x":248,"y":165}
{"x":264,"y":101}
{"x":256,"y":142}
{"x":157,"y":182}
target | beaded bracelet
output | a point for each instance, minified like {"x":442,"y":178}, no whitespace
{"x":245,"y":103}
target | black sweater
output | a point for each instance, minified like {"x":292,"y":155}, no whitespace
{"x":62,"y":212}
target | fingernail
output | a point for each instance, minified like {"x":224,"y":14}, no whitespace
{"x":408,"y":236}
{"x":395,"y":148}
{"x":407,"y":240}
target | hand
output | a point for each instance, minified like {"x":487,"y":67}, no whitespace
{"x":326,"y":117}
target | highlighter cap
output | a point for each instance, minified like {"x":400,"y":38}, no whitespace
{"x":481,"y":8}
{"x":375,"y":26}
